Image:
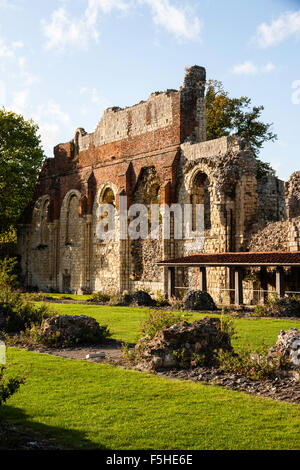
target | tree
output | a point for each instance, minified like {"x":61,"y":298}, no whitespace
{"x":21,"y":158}
{"x":235,"y":116}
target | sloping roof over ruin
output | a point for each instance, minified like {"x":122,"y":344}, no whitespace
{"x":282,"y":258}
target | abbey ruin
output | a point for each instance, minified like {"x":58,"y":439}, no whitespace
{"x":153,"y":152}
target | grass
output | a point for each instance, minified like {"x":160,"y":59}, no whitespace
{"x":96,"y":406}
{"x":70,"y":296}
{"x":124,"y":322}
{"x":87,"y":405}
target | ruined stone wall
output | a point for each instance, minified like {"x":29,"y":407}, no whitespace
{"x":230,"y":167}
{"x":271,"y":197}
{"x":36,"y":241}
{"x":124,"y":144}
{"x":153,"y":152}
{"x":292,"y":193}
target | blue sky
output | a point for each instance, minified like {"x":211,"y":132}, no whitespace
{"x":62,"y":62}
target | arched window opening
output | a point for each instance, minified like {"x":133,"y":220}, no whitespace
{"x":201,"y":195}
{"x":72,"y":219}
{"x":108,"y":197}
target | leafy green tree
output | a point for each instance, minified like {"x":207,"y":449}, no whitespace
{"x":21,"y":158}
{"x":235,"y":116}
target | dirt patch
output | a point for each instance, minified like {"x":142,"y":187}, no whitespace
{"x":281,"y":389}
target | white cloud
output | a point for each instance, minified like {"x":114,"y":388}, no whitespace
{"x":53,"y":111}
{"x":249,"y":68}
{"x":49,"y":133}
{"x":296,"y":93}
{"x":285,"y":26}
{"x":106,"y":6}
{"x":2,"y":92}
{"x":175,"y":20}
{"x":8,"y":55}
{"x":52,"y":120}
{"x":6,"y":51}
{"x":26,"y":76}
{"x":94,"y":97}
{"x":20,"y":101}
{"x":62,"y":30}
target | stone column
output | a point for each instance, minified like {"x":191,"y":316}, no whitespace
{"x":238,"y":286}
{"x":280,"y":281}
{"x":87,"y":260}
{"x":171,"y":282}
{"x":263,"y":283}
{"x":202,"y":279}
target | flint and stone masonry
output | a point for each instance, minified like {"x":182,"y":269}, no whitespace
{"x":153,"y":152}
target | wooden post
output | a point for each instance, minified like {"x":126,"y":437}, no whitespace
{"x":171,"y":282}
{"x":238,"y":286}
{"x":202,"y":279}
{"x":263,"y":283}
{"x":280,"y":281}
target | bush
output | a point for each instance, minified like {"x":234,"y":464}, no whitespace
{"x":157,"y":320}
{"x":8,"y":279}
{"x":260,"y":311}
{"x":256,"y":365}
{"x":8,"y":385}
{"x":17,"y":314}
{"x":142,"y":298}
{"x":283,"y":307}
{"x":100,"y":297}
{"x":227,"y":325}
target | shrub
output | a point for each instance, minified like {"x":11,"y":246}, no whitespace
{"x":160,"y":300}
{"x":18,"y":314}
{"x":100,"y":297}
{"x":253,"y":364}
{"x":283,"y":307}
{"x":8,"y":279}
{"x":227,"y":325}
{"x":157,"y":320}
{"x":130,"y":355}
{"x":142,"y":298}
{"x":8,"y":385}
{"x":260,"y":311}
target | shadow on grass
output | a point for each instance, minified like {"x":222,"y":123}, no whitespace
{"x":17,"y":430}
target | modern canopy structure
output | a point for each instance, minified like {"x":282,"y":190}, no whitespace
{"x":235,"y":261}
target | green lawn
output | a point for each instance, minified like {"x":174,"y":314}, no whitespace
{"x":70,"y":296}
{"x":87,"y":405}
{"x":124,"y":322}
